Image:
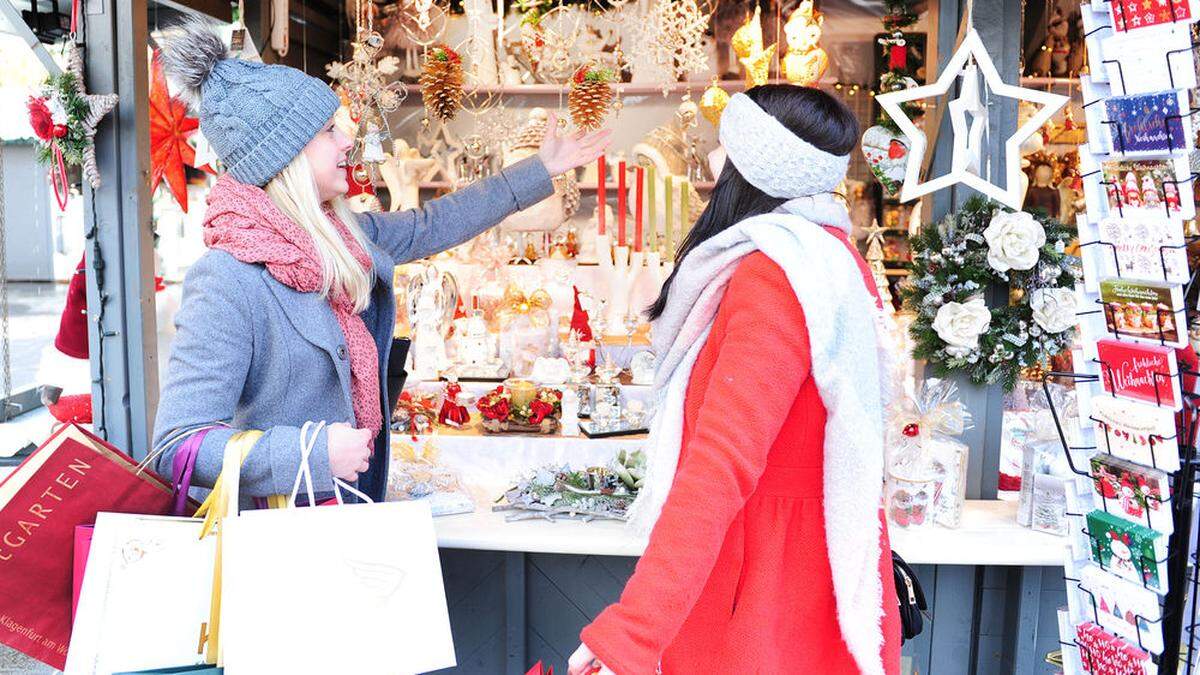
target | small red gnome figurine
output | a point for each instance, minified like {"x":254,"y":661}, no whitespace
{"x":580,"y":323}
{"x":453,"y":414}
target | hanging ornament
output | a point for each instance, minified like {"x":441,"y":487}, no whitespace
{"x":805,"y":61}
{"x":591,"y":97}
{"x":966,"y":146}
{"x":713,"y":102}
{"x":758,"y":66}
{"x":675,"y":36}
{"x":886,"y":155}
{"x":64,"y":118}
{"x":442,"y":83}
{"x":170,"y":128}
{"x":748,"y":38}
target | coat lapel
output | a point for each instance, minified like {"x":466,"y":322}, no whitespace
{"x":313,"y":319}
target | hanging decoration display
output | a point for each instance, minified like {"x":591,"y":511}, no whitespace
{"x":883,"y":146}
{"x":805,"y":62}
{"x":747,"y":43}
{"x":676,"y":37}
{"x":170,"y":128}
{"x":64,"y":118}
{"x":442,"y":83}
{"x":955,"y":261}
{"x":592,"y":96}
{"x":363,"y":85}
{"x":968,"y":63}
{"x":713,"y":102}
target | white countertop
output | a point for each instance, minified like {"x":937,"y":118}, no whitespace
{"x":989,"y":536}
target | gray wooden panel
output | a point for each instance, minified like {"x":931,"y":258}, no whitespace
{"x":475,"y":596}
{"x":953,"y":628}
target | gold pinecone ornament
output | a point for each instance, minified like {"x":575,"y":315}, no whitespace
{"x":591,"y":97}
{"x":442,"y":83}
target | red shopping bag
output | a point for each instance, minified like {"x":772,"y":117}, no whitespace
{"x":83,"y":544}
{"x":539,"y":669}
{"x":68,"y":480}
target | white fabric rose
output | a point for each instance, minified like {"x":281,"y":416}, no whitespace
{"x":959,"y":325}
{"x":1014,"y":240}
{"x":1053,"y":308}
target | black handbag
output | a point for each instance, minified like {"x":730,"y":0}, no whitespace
{"x":911,"y":597}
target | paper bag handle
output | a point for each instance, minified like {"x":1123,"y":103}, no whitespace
{"x":308,"y":440}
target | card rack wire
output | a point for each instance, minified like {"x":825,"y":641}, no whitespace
{"x":1182,"y":583}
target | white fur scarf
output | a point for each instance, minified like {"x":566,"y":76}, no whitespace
{"x":849,"y":363}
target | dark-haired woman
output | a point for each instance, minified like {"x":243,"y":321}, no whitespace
{"x":768,"y":550}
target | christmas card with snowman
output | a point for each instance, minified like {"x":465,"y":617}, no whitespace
{"x":1134,"y":492}
{"x":1145,"y":311}
{"x":1138,"y":372}
{"x":1128,"y":550}
{"x":1132,"y":248}
{"x":1140,"y":62}
{"x":1138,"y":432}
{"x":1136,"y":189}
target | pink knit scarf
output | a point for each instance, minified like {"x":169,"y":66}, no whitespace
{"x":243,"y":221}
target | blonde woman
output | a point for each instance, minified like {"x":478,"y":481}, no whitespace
{"x":289,"y":316}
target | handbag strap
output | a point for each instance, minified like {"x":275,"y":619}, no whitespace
{"x":182,"y":467}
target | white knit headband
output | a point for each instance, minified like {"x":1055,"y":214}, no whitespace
{"x":773,"y":159}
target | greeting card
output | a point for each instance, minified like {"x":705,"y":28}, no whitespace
{"x":1128,"y":550}
{"x":1134,"y":15}
{"x":1138,"y":432}
{"x":1147,"y":311}
{"x":1105,"y":654}
{"x":1144,"y":124}
{"x":1137,"y":62}
{"x":1148,"y":187}
{"x":1139,"y":372}
{"x":1134,"y":492}
{"x":1122,"y":607}
{"x":1145,"y":248}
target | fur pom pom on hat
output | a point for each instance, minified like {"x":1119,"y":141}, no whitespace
{"x":257,"y":117}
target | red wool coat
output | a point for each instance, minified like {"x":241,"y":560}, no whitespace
{"x":736,"y":577}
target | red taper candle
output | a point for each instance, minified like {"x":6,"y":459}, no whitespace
{"x":622,"y":203}
{"x":601,"y":198}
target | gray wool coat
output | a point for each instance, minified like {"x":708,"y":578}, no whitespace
{"x":252,"y":353}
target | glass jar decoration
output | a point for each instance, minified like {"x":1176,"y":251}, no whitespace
{"x":606,"y":403}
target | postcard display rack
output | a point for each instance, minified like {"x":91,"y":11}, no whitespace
{"x":1131,"y":566}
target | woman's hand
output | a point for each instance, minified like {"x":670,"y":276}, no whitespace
{"x":584,"y":662}
{"x":349,"y":450}
{"x":562,"y":153}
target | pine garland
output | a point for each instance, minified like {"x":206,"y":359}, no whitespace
{"x":950,"y":264}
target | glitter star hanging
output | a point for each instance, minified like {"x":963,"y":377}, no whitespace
{"x":363,"y":84}
{"x":675,"y":36}
{"x":99,"y":105}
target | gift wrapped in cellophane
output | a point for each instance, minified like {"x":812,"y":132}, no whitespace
{"x":927,"y":464}
{"x":526,"y":331}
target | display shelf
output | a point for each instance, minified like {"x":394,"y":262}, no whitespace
{"x":624,"y":88}
{"x":1032,"y":81}
{"x":989,"y":536}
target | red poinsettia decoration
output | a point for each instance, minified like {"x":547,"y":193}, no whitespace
{"x":170,"y":128}
{"x":42,"y":120}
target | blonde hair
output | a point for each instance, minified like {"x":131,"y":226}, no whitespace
{"x":294,"y":191}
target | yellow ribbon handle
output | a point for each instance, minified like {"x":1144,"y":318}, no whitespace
{"x":213,"y":510}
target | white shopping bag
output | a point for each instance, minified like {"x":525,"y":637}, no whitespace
{"x":145,"y":596}
{"x":352,"y":588}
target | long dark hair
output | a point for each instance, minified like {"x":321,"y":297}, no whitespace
{"x":811,"y":114}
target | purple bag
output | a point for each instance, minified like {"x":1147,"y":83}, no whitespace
{"x":182,"y":467}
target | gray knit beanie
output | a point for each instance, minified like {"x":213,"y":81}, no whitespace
{"x":257,"y":117}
